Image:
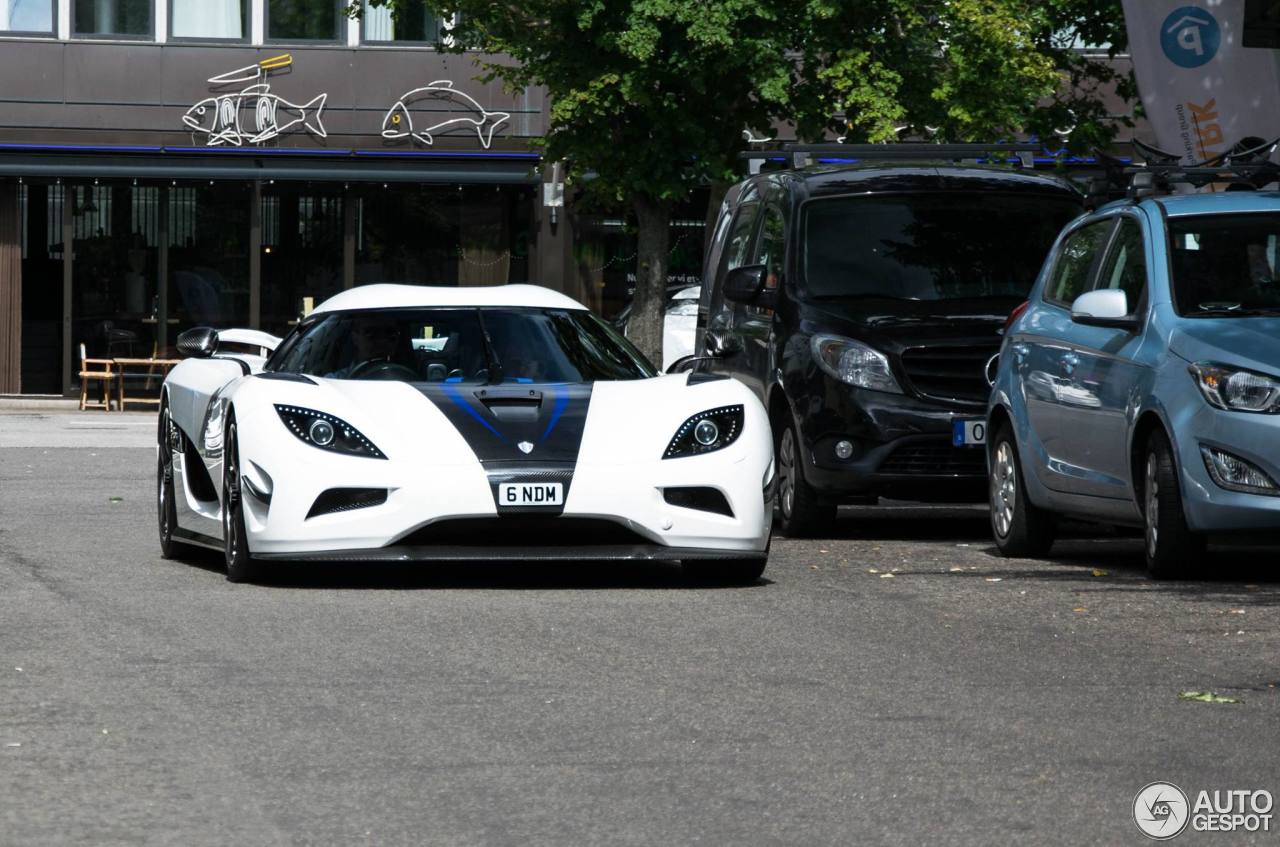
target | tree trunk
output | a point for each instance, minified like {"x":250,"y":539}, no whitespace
{"x":653,"y":252}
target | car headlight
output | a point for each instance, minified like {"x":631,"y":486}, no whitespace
{"x":706,"y":432}
{"x":1234,"y":388}
{"x":854,"y":363}
{"x":327,"y":432}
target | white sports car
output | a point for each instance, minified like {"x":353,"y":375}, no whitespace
{"x":403,"y":423}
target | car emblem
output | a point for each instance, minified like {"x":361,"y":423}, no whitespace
{"x":525,"y":447}
{"x":989,"y":371}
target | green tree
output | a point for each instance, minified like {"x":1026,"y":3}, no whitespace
{"x":649,"y":98}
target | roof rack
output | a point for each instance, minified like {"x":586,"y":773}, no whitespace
{"x":800,"y":155}
{"x":1246,"y":166}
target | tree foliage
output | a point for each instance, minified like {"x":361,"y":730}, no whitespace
{"x":651,"y":97}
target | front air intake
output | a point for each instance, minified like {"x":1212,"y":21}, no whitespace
{"x":702,"y":498}
{"x":346,"y":499}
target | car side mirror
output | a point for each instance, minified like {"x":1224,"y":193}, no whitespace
{"x":198,"y":343}
{"x":720,"y":343}
{"x":1107,"y":307}
{"x":746,"y":285}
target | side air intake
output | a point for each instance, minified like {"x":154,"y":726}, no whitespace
{"x":346,"y":499}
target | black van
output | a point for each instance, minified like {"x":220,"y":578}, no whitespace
{"x":864,"y":304}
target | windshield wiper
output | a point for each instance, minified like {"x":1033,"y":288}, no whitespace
{"x":1262,"y":311}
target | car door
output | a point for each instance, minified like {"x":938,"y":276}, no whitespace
{"x":754,"y":361}
{"x":723,"y":341}
{"x":1103,"y":377}
{"x":1044,"y":354}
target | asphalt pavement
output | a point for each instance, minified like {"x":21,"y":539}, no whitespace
{"x":897,"y":683}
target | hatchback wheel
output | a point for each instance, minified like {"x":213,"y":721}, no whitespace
{"x":801,"y":512}
{"x":1171,"y":547}
{"x":1021,"y":528}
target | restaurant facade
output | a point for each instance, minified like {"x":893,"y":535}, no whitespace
{"x":174,"y":163}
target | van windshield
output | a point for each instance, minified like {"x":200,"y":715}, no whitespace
{"x":943,"y":246}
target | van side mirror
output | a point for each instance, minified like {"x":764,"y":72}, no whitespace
{"x":1107,"y":307}
{"x":198,"y":343}
{"x":745,"y":285}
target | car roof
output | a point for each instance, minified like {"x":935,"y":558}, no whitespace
{"x":1219,"y":202}
{"x":388,"y":296}
{"x":827,"y":180}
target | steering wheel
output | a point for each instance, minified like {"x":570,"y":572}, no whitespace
{"x":383,"y":369}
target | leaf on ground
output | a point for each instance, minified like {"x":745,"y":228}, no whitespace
{"x":957,"y":570}
{"x":1079,"y":609}
{"x":117,"y":499}
{"x":886,"y":576}
{"x":872,"y":570}
{"x":994,"y":578}
{"x":1207,"y":697}
{"x":1099,"y":572}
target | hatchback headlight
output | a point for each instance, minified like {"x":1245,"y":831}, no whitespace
{"x":1236,"y":389}
{"x":854,"y":363}
{"x":706,"y":432}
{"x":322,"y":430}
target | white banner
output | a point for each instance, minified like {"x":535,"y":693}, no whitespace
{"x":1203,"y":91}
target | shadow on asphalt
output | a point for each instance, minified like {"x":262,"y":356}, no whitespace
{"x":582,"y":576}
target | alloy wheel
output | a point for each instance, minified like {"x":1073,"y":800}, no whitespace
{"x":787,"y":473}
{"x":1004,"y":488}
{"x":1152,"y":498}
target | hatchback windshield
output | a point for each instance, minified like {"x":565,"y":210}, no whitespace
{"x":462,"y":345}
{"x":1225,"y":265}
{"x":929,"y":246}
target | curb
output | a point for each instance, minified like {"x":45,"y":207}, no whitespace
{"x":37,"y":402}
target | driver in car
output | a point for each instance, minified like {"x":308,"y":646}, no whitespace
{"x":375,"y":340}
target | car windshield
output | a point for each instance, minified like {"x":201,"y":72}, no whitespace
{"x":929,"y":246}
{"x":1225,"y":265}
{"x":476,"y":345}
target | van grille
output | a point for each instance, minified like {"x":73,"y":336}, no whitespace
{"x":935,"y":460}
{"x":956,"y":373}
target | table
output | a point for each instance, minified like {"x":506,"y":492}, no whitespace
{"x":164,"y":365}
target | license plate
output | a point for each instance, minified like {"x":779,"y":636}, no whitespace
{"x":531,"y":494}
{"x":968,"y":433}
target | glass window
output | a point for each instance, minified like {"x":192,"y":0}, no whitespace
{"x":1225,"y":265}
{"x":208,"y":257}
{"x":304,"y":20}
{"x":1126,"y":266}
{"x":26,"y":15}
{"x":769,"y":251}
{"x":113,"y":17}
{"x":737,"y":250}
{"x":1074,"y":267}
{"x":410,"y":22}
{"x":961,"y":245}
{"x":302,"y":231}
{"x":463,"y":345}
{"x":213,"y":19}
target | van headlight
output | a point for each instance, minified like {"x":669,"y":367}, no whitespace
{"x":326,"y":432}
{"x":1236,"y":389}
{"x":854,"y":363}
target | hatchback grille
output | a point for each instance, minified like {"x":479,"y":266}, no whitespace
{"x":935,"y":460}
{"x":952,"y":372}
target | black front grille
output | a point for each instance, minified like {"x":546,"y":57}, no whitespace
{"x":346,"y":499}
{"x":526,"y":531}
{"x":951,"y":372}
{"x":935,"y":460}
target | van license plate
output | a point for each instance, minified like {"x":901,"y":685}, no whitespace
{"x":969,"y":433}
{"x":531,"y":494}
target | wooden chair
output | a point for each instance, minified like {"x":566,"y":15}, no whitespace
{"x":90,"y":370}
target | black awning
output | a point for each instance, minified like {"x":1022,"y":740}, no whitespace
{"x":347,"y":166}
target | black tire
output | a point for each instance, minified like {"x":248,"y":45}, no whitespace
{"x":166,"y":502}
{"x":801,"y":513}
{"x":725,"y":572}
{"x":1172,"y":549}
{"x":1021,"y":528}
{"x":240,"y":564}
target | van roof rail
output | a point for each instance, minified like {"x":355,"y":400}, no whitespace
{"x":799,"y":155}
